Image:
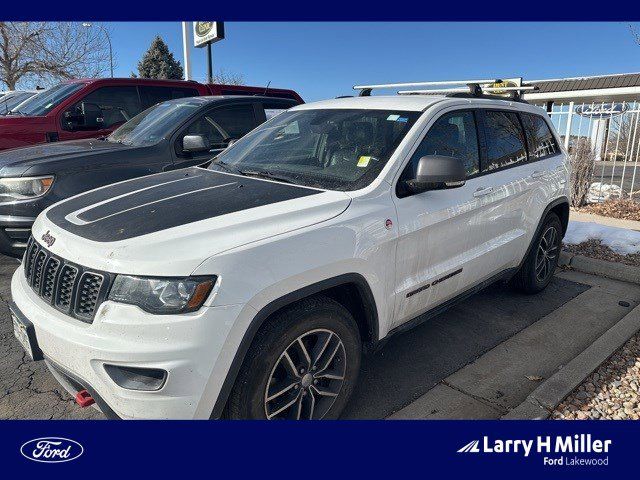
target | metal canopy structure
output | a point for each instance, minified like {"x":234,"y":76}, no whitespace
{"x":619,"y":87}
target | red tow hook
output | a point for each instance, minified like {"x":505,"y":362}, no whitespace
{"x":84,"y":398}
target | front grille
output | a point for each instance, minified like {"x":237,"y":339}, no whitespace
{"x":88,"y":292}
{"x":72,"y":289}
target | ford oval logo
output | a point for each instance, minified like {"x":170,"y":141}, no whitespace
{"x":602,"y":110}
{"x":51,"y":450}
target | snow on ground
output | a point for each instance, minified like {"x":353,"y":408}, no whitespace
{"x":620,"y":240}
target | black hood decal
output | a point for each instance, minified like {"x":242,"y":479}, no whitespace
{"x":151,"y":204}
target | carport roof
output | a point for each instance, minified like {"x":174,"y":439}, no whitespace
{"x":587,"y":83}
{"x":621,"y":86}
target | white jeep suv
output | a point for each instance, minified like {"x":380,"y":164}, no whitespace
{"x":250,"y":288}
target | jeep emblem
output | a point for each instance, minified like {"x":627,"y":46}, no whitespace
{"x":48,"y":239}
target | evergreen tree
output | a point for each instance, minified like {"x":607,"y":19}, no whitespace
{"x":158,"y":62}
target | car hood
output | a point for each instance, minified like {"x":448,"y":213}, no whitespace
{"x":18,"y":161}
{"x":167,"y":224}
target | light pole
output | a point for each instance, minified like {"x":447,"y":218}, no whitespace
{"x":106,"y":32}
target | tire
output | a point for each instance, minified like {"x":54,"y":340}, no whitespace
{"x":536,"y":272}
{"x":268,"y":387}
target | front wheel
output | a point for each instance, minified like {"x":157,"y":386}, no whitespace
{"x":541,"y":262}
{"x":303,"y":365}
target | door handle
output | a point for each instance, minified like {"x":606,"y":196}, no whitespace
{"x":483,"y":191}
{"x":538,"y":174}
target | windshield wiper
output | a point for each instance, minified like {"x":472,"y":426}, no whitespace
{"x":251,"y":173}
{"x":228,"y":167}
{"x":268,"y":176}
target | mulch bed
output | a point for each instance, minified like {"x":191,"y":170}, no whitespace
{"x":623,"y":209}
{"x":593,"y":248}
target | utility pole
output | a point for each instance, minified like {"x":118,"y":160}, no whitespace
{"x":186,"y":50}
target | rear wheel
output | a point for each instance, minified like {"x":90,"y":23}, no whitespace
{"x":303,"y":365}
{"x":541,"y":262}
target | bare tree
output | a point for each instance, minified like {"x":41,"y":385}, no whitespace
{"x":46,"y":52}
{"x":582,"y":164}
{"x":635,"y":34}
{"x":225,"y":78}
{"x":624,"y":136}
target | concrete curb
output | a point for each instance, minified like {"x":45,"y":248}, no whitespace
{"x":541,"y":402}
{"x":602,"y":268}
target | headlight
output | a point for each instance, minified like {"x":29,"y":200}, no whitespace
{"x":24,"y":188}
{"x":162,"y":295}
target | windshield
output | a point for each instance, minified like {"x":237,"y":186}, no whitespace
{"x":330,"y":149}
{"x":154,"y":124}
{"x":12,"y":100}
{"x":44,"y":102}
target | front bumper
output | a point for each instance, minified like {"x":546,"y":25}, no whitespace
{"x":14,"y":233}
{"x":195,"y":350}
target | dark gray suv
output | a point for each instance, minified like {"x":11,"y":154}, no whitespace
{"x":170,"y":135}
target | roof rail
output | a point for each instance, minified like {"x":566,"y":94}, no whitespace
{"x":511,"y":86}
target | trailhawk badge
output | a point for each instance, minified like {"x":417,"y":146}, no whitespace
{"x":48,"y":239}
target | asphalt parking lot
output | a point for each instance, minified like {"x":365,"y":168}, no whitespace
{"x":471,"y":361}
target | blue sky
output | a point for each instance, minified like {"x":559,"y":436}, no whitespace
{"x":323,"y":60}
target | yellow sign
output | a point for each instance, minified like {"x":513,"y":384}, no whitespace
{"x":363,"y":161}
{"x":502,"y":84}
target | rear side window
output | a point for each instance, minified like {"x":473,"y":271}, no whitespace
{"x":153,"y":94}
{"x":453,"y":135}
{"x":118,"y":104}
{"x":504,"y":139}
{"x":271,"y":109}
{"x":541,"y":141}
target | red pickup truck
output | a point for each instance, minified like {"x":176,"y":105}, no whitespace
{"x":93,"y":108}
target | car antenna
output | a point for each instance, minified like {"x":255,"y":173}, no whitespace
{"x":267,"y":87}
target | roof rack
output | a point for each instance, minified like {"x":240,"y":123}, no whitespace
{"x":493,"y":87}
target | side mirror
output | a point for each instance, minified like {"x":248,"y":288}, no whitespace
{"x":435,"y":172}
{"x":195,"y":144}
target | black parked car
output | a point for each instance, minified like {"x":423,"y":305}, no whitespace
{"x":170,"y":135}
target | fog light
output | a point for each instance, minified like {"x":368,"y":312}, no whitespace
{"x":134,"y":378}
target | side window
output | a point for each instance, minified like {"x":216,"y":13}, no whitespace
{"x":453,"y":135}
{"x":152,"y":95}
{"x":117,"y":104}
{"x":505,"y":140}
{"x":541,"y":141}
{"x":223,"y":124}
{"x":234,"y":121}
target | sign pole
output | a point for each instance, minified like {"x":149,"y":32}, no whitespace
{"x":209,"y":64}
{"x":186,"y":44}
{"x":204,"y":34}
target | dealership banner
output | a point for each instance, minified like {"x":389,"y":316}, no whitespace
{"x":331,"y":10}
{"x":543,"y":449}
